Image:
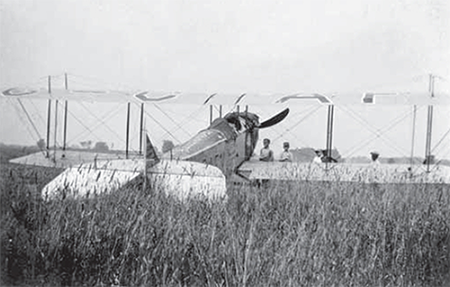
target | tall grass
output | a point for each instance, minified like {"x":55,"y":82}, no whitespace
{"x":298,"y":234}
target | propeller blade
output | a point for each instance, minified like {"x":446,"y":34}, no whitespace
{"x":275,"y":119}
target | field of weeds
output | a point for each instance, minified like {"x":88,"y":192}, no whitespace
{"x":300,"y":234}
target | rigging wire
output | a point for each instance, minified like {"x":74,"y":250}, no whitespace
{"x":441,"y":140}
{"x":83,"y":125}
{"x":100,"y":122}
{"x":166,"y":130}
{"x":367,"y":124}
{"x":378,"y":133}
{"x":190,"y":118}
{"x":178,"y":125}
{"x":25,"y":124}
{"x":312,"y":110}
{"x":37,"y":111}
{"x":29,"y":118}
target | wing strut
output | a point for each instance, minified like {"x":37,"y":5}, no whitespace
{"x":330,"y":124}
{"x":210,"y":114}
{"x":413,"y":134}
{"x":141,"y":130}
{"x":49,"y":113}
{"x":66,"y":84}
{"x":56,"y":130}
{"x":128,"y":131}
{"x":428,"y":157}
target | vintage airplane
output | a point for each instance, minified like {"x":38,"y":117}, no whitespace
{"x":224,"y":150}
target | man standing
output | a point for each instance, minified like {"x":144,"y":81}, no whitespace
{"x":266,"y":153}
{"x":374,"y":155}
{"x":286,"y":154}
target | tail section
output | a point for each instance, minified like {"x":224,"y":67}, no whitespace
{"x":181,"y":179}
{"x":150,"y":154}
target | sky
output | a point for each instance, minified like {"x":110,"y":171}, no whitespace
{"x":226,"y":46}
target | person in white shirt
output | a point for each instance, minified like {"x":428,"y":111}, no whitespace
{"x":286,"y":154}
{"x":266,"y":153}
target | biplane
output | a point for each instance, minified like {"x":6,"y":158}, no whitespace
{"x":224,"y":150}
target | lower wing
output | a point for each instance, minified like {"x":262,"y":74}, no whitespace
{"x":385,"y":173}
{"x":67,"y":158}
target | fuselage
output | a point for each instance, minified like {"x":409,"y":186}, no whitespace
{"x":226,"y":143}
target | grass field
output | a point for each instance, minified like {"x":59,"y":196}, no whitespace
{"x":300,"y":234}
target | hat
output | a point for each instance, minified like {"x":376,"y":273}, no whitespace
{"x":286,"y":144}
{"x":374,"y":152}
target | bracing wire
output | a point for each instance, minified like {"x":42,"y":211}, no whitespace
{"x":311,"y":110}
{"x":378,"y":133}
{"x":24,"y":123}
{"x":162,"y":126}
{"x":190,"y":118}
{"x":441,"y":140}
{"x":37,"y":111}
{"x":170,"y":118}
{"x":365,"y":123}
{"x":90,"y":131}
{"x":101,"y":122}
{"x":29,"y":118}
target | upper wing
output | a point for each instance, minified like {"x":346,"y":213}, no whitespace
{"x":232,"y":99}
{"x":70,"y":95}
{"x":301,"y":99}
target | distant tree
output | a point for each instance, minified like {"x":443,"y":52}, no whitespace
{"x":101,"y":146}
{"x":86,"y":144}
{"x":167,"y":146}
{"x":41,"y":144}
{"x":335,"y":154}
{"x":74,"y":146}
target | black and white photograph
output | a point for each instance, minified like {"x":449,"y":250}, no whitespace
{"x":224,"y":143}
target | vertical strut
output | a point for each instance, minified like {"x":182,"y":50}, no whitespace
{"x":429,"y":125}
{"x":144,"y":128}
{"x":330,"y":129}
{"x":210,"y":114}
{"x":128,"y":130}
{"x":247,"y":150}
{"x":220,"y":111}
{"x":65,"y":125}
{"x":49,"y":84}
{"x":56,"y":129}
{"x":49,"y":113}
{"x":66,"y":84}
{"x":413,"y":134}
{"x":141,"y":129}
